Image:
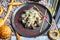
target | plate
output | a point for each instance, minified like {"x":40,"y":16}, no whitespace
{"x":18,"y":26}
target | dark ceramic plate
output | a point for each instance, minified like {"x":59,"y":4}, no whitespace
{"x":18,"y":26}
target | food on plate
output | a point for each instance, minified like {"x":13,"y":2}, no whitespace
{"x":31,"y":18}
{"x":5,"y":31}
{"x":53,"y":34}
{"x":1,"y":10}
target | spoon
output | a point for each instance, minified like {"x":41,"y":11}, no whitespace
{"x":8,"y":12}
{"x":18,"y":36}
{"x":2,"y":21}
